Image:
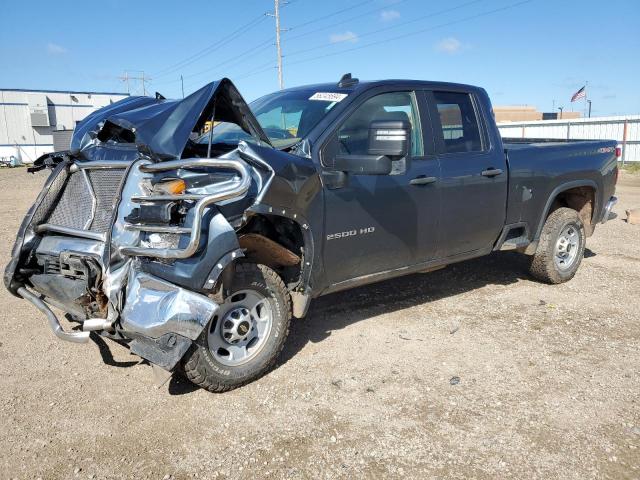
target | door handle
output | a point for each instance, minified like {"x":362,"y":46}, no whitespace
{"x":491,"y":172}
{"x":423,"y":180}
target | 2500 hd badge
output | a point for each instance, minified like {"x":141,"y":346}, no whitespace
{"x":351,"y":233}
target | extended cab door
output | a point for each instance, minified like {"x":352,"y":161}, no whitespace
{"x":473,"y":184}
{"x":377,"y":223}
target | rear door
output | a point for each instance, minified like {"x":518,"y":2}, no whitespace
{"x":473,"y":183}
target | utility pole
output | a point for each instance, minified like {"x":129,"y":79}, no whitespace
{"x":182,"y":83}
{"x":142,"y":78}
{"x":276,"y":14}
{"x":125,"y":78}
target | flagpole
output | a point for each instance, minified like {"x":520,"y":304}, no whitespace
{"x":586,"y":84}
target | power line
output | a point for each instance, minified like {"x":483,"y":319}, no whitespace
{"x":342,"y":22}
{"x":211,"y":48}
{"x":398,"y":37}
{"x":329,"y":15}
{"x":417,"y":32}
{"x":238,"y":58}
{"x":392,"y":27}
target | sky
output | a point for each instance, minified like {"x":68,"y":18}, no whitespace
{"x":523,"y":52}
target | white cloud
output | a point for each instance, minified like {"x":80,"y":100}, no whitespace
{"x":55,"y":49}
{"x":450,"y":45}
{"x":347,"y":36}
{"x":389,"y":15}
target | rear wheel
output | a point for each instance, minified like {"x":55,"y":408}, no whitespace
{"x":560,"y":248}
{"x":247,"y":333}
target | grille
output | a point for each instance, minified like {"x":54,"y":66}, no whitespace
{"x":76,"y":209}
{"x":106,"y":185}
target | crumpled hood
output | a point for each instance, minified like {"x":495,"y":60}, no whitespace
{"x":162,"y":127}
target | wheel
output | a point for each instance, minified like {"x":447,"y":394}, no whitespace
{"x":247,"y":333}
{"x":560,"y":248}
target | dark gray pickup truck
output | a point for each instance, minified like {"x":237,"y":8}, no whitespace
{"x":192,"y":231}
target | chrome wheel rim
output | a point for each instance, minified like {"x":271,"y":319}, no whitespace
{"x":567,"y":247}
{"x":240,"y":328}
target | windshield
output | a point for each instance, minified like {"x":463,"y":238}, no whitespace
{"x":286,"y":118}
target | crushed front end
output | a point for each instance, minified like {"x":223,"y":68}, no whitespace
{"x":129,"y":235}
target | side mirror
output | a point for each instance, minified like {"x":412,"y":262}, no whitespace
{"x":389,"y":137}
{"x":363,"y":164}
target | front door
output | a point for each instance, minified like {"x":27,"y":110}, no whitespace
{"x":377,"y":223}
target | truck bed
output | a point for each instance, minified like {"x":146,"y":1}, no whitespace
{"x":538,"y":167}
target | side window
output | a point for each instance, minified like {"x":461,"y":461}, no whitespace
{"x":353,"y":135}
{"x":460,"y":126}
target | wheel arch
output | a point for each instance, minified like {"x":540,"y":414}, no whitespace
{"x":561,"y":191}
{"x":281,"y":240}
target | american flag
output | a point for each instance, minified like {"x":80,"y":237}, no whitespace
{"x":582,"y":93}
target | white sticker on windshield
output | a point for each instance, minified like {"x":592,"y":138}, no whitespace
{"x":328,"y":96}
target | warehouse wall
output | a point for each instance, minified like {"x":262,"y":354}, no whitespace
{"x":64,"y":110}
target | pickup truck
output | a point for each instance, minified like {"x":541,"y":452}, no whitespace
{"x":193,"y":231}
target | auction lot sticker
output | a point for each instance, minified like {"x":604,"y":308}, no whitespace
{"x":328,"y":96}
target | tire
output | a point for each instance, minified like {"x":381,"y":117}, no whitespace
{"x":560,"y":248}
{"x":206,"y":365}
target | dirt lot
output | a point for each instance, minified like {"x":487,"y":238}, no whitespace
{"x":475,"y":371}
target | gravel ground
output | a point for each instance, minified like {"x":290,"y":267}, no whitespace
{"x":474,"y":371}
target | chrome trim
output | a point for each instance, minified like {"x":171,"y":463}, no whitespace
{"x":99,"y":164}
{"x":47,"y":227}
{"x":168,"y":198}
{"x":608,"y":207}
{"x":93,"y":324}
{"x":54,"y":323}
{"x":226,"y":190}
{"x":155,"y":307}
{"x":245,"y":149}
{"x":94,"y":200}
{"x":157,"y":229}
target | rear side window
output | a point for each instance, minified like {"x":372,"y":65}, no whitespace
{"x":459,"y":121}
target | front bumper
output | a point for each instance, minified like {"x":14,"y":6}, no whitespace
{"x":79,"y":250}
{"x":607,"y":209}
{"x":160,"y":319}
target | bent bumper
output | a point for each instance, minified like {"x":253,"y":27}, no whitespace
{"x":161,"y":319}
{"x":76,"y":337}
{"x":607,"y":209}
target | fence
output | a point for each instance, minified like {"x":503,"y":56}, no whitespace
{"x":625,"y":130}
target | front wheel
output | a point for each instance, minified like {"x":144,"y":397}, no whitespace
{"x":247,"y":333}
{"x":560,"y":248}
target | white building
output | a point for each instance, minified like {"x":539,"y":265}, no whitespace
{"x":34,"y":122}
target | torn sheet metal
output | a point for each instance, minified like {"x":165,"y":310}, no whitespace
{"x":162,"y":127}
{"x":154,"y":307}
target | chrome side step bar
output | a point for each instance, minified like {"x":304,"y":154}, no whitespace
{"x":76,"y":337}
{"x":225,"y":190}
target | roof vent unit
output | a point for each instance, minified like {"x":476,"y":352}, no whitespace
{"x":347,"y":81}
{"x":38,"y":110}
